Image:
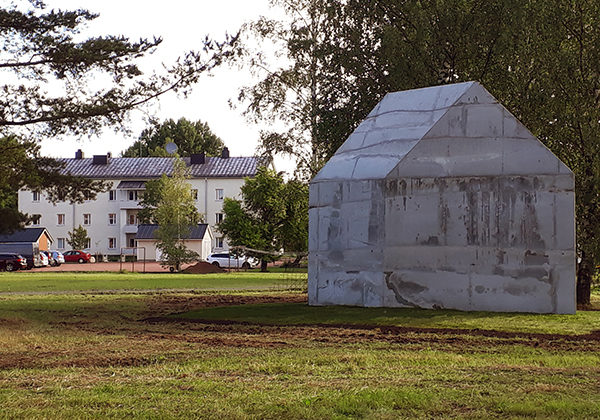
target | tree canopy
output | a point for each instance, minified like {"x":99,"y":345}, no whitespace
{"x":175,"y":214}
{"x":190,"y":137}
{"x":272,"y":215}
{"x":540,"y":58}
{"x":78,"y":238}
{"x":57,"y":81}
{"x":21,"y":166}
{"x":95,"y":81}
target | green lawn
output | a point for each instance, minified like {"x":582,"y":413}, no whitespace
{"x":584,"y":322}
{"x":215,"y":353}
{"x":75,"y":281}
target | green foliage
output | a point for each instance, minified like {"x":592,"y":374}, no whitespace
{"x":42,"y":47}
{"x":150,"y":201}
{"x":272,"y":214}
{"x":78,"y":238}
{"x":95,"y":83}
{"x":175,"y":214}
{"x":190,"y":137}
{"x":21,"y":166}
{"x":540,"y":58}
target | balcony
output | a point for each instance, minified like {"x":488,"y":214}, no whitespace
{"x":130,"y":229}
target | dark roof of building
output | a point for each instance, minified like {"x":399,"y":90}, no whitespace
{"x":25,"y":235}
{"x":132,"y":185}
{"x":154,"y":167}
{"x":147,"y":231}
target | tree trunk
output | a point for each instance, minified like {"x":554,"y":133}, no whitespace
{"x":263,"y":266}
{"x":584,"y":282}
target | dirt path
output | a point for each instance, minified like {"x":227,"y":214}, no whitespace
{"x":135,"y":340}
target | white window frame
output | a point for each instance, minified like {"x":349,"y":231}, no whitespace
{"x":219,"y":217}
{"x":37,"y":219}
{"x":35,"y":196}
{"x":219,"y":194}
{"x":112,"y":245}
{"x":60,"y":222}
{"x":60,"y":243}
{"x":112,"y":193}
{"x":219,"y":242}
{"x":132,"y":193}
{"x":112,"y":220}
{"x":87,"y":216}
{"x":88,"y":245}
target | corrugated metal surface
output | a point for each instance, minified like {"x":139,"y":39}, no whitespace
{"x":154,"y":167}
{"x":147,"y":231}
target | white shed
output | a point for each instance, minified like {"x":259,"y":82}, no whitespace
{"x":441,"y":198}
{"x":199,"y":240}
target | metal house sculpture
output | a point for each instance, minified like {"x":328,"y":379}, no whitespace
{"x":441,"y":198}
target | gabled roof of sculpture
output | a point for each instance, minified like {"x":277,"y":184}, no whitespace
{"x":451,"y":113}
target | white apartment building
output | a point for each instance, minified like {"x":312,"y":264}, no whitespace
{"x":111,"y":219}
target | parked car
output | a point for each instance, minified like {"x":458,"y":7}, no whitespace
{"x":55,"y":258}
{"x":58,"y":257}
{"x":44,"y":260}
{"x":12,"y":262}
{"x":29,"y":251}
{"x":77,"y":256}
{"x":227,"y":260}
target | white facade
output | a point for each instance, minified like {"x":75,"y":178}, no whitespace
{"x":111,"y":219}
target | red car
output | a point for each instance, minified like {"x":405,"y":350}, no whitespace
{"x":77,"y":256}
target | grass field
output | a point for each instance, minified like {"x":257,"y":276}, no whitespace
{"x":249,"y":353}
{"x":34,"y":282}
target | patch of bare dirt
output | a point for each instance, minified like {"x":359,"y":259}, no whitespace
{"x":172,"y":304}
{"x":202,"y":267}
{"x":135,"y":342}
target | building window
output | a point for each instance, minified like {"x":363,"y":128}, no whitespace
{"x":61,"y":243}
{"x":87,"y":219}
{"x":219,"y":193}
{"x":112,"y":243}
{"x":219,"y":242}
{"x":35,"y":219}
{"x":36,"y":196}
{"x":112,"y":195}
{"x":112,"y":218}
{"x":60,"y":219}
{"x":88,"y":244}
{"x":133,"y":195}
{"x":132,"y":219}
{"x":219,"y":218}
{"x":195,"y":194}
{"x":131,"y":242}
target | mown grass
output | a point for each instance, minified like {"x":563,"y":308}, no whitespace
{"x":75,"y":281}
{"x":92,"y":355}
{"x":583,"y":322}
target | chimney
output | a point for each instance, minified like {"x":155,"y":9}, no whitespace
{"x":225,"y":153}
{"x":197,"y":158}
{"x":79,"y":154}
{"x":100,"y":160}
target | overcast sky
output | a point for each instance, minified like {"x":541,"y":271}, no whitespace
{"x":182,"y":25}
